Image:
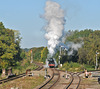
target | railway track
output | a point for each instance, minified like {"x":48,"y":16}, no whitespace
{"x":39,"y":68}
{"x":20,"y":75}
{"x":12,"y":78}
{"x":73,"y":84}
{"x":52,"y":81}
{"x":75,"y":81}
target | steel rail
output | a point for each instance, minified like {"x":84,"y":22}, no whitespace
{"x":72,"y":75}
{"x":53,"y":74}
{"x":55,"y":81}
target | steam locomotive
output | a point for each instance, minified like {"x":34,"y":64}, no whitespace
{"x":51,"y":62}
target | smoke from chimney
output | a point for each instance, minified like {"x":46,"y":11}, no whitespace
{"x":54,"y":16}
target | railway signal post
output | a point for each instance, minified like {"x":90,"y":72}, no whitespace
{"x":59,"y":60}
{"x":60,"y":53}
{"x":31,"y":57}
{"x":96,"y":60}
{"x":59,"y":56}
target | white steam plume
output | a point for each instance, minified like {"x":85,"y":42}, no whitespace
{"x":54,"y":16}
{"x":73,"y":47}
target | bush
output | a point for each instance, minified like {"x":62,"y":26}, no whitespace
{"x":72,"y":66}
{"x":76,"y":67}
{"x":89,"y":67}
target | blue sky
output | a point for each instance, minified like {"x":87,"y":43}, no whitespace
{"x":25,"y":16}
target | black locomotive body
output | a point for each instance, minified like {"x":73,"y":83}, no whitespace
{"x":51,"y":62}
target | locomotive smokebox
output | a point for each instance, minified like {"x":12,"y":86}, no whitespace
{"x":52,"y":62}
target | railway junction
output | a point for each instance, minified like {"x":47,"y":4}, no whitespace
{"x":57,"y":79}
{"x":74,"y":80}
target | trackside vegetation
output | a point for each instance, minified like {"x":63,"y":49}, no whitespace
{"x":76,"y":67}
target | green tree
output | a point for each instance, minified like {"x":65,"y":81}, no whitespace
{"x":23,"y":54}
{"x":77,"y":36}
{"x":37,"y":53}
{"x":87,"y":54}
{"x":91,"y":39}
{"x":7,"y":47}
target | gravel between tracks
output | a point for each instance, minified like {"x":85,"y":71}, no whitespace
{"x":48,"y":72}
{"x":63,"y":82}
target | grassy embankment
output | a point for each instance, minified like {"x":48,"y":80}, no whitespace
{"x":24,"y":82}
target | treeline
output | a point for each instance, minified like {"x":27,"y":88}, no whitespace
{"x":37,"y":54}
{"x":9,"y":47}
{"x":87,"y":53}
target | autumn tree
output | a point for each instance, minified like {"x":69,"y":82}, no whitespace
{"x":44,"y":53}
